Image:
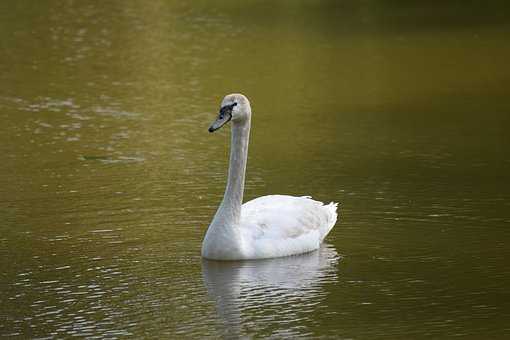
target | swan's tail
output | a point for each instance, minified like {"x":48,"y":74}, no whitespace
{"x":331,"y":209}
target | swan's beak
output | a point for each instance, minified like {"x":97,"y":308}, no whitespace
{"x":223,"y":118}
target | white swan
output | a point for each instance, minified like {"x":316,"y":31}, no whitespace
{"x":268,"y":226}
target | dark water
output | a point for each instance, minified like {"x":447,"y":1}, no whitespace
{"x":398,"y":110}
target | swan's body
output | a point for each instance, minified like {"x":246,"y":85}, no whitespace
{"x":268,"y":226}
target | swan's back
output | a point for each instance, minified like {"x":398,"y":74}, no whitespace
{"x":280,"y":225}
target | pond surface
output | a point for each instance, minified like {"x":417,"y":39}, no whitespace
{"x":109,"y":177}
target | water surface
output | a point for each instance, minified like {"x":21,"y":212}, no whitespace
{"x":109,"y":177}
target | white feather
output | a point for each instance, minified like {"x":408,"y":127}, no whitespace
{"x":279,"y":225}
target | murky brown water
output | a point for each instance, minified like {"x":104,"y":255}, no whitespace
{"x":109,"y":177}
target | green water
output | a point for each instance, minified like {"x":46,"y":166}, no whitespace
{"x":108,"y":177}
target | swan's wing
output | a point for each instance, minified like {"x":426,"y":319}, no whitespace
{"x":281,"y":217}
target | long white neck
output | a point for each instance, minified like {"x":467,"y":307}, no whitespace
{"x":230,"y":208}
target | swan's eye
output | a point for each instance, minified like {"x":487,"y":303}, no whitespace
{"x":234,"y":104}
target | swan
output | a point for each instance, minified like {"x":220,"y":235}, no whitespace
{"x":268,"y":226}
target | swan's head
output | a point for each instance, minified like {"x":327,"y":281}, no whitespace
{"x":234,"y":107}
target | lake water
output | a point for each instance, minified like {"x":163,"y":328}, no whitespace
{"x":109,"y":178}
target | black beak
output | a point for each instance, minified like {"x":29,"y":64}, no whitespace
{"x":224,"y":117}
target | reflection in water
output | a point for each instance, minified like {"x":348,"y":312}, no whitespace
{"x":275,"y":294}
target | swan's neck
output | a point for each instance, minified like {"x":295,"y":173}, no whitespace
{"x":230,"y":208}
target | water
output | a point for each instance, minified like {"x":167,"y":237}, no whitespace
{"x":109,"y":177}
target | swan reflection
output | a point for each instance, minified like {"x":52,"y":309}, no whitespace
{"x":274,"y":296}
